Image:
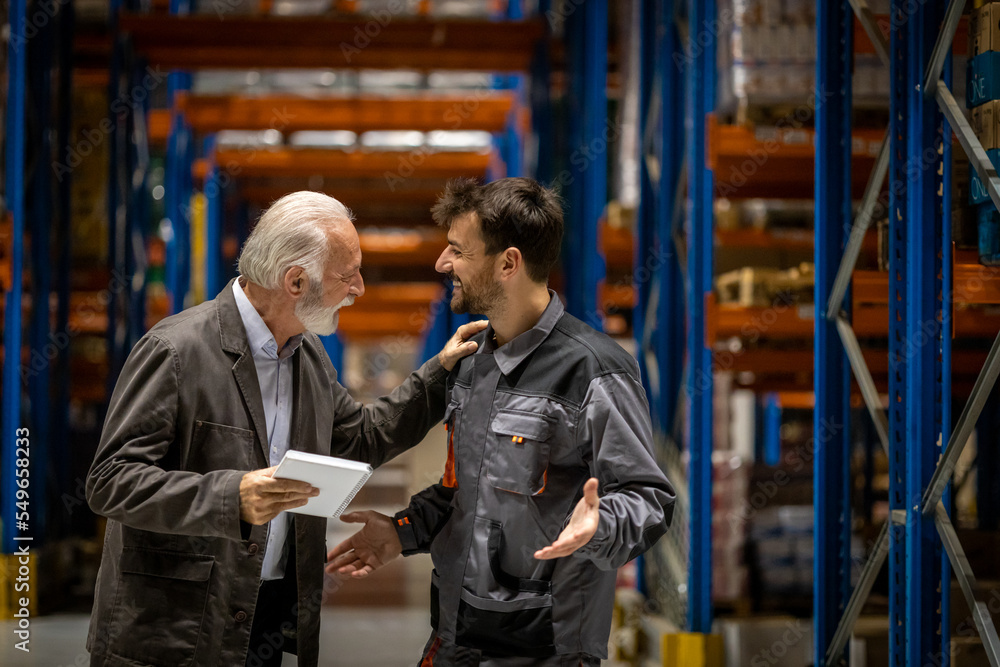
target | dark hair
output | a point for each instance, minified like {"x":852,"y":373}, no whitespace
{"x":513,"y":213}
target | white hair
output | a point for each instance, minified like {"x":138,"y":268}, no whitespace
{"x":293,"y":231}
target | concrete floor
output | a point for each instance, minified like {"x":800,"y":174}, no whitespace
{"x":351,"y":637}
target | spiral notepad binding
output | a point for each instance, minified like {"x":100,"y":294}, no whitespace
{"x":350,"y":496}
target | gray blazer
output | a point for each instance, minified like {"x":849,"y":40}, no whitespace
{"x":180,"y":571}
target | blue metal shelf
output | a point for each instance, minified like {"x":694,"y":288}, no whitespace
{"x":587,"y":44}
{"x":14,"y":176}
{"x":700,"y":102}
{"x":831,"y":379}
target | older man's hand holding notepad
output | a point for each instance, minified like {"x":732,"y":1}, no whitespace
{"x":338,"y":480}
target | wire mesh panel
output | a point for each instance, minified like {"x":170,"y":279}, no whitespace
{"x":667,"y":562}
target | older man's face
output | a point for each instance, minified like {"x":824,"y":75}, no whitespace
{"x":319,"y":309}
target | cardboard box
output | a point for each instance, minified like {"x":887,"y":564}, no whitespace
{"x":985,"y":123}
{"x":982,"y":80}
{"x":984,"y":29}
{"x":977,"y":191}
{"x":989,"y":234}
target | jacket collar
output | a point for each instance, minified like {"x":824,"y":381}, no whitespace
{"x":234,"y":334}
{"x":514,"y":352}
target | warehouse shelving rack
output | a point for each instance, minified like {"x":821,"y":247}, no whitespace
{"x":172,"y":41}
{"x":921,"y":292}
{"x":919,"y":376}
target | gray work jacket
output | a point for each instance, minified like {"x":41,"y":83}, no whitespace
{"x":180,"y":571}
{"x":529,"y":423}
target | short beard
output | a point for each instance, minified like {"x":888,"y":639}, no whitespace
{"x":485,"y":298}
{"x":317,"y":318}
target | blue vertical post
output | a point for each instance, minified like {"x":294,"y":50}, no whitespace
{"x":178,"y":198}
{"x":177,"y":180}
{"x":39,"y":381}
{"x":700,"y":103}
{"x":586,"y":269}
{"x":335,"y":350}
{"x":923,"y":397}
{"x":831,"y":379}
{"x":644,"y":239}
{"x":772,"y":430}
{"x":898,"y":500}
{"x":670,"y":316}
{"x":136,"y":217}
{"x":116,"y":153}
{"x":944,"y":412}
{"x":60,"y":417}
{"x":214,"y":199}
{"x":13,"y":298}
{"x":541,"y":107}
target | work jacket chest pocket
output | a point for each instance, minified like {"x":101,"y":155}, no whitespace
{"x":520,"y":457}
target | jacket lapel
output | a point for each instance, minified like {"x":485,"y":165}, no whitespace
{"x":234,"y":341}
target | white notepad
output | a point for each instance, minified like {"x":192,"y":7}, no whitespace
{"x":338,"y":480}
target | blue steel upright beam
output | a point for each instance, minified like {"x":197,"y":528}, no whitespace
{"x":137,"y":214}
{"x":644,"y":239}
{"x":179,"y":159}
{"x":13,"y":301}
{"x":61,"y":453}
{"x":916,"y":414}
{"x":898,"y":501}
{"x":831,"y":379}
{"x":214,"y":199}
{"x":669,"y":336}
{"x":178,"y":198}
{"x":585,"y":267}
{"x":117,"y":138}
{"x":658,"y":315}
{"x":923,"y":399}
{"x":40,"y":214}
{"x":700,"y":103}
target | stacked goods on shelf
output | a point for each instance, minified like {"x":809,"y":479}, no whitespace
{"x":982,"y":96}
{"x":92,"y":287}
{"x":771,"y":55}
{"x":730,"y":482}
{"x":782,"y":543}
{"x":751,"y":286}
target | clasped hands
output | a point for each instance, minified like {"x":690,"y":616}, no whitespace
{"x":377,"y":542}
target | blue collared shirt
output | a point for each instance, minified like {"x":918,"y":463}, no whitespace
{"x":274,"y":375}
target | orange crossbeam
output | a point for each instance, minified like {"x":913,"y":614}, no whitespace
{"x":393,"y":167}
{"x":158,"y":126}
{"x":778,"y":162}
{"x":863,"y":44}
{"x":475,"y":111}
{"x":243,"y":42}
{"x":391,"y":309}
{"x":972,"y":284}
{"x":413,"y":248}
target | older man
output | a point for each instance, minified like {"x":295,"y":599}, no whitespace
{"x":200,"y":565}
{"x":550,"y":482}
